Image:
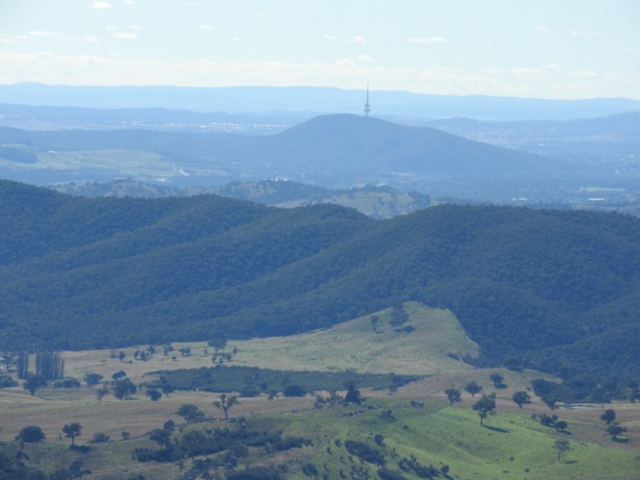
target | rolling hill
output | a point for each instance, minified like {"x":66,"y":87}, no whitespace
{"x":556,"y":290}
{"x":366,"y":150}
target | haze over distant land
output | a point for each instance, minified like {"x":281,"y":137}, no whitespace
{"x":285,"y":101}
{"x":561,"y":50}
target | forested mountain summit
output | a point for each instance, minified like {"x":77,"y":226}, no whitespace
{"x":558,"y":290}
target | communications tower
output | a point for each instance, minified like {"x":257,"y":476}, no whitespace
{"x":367,"y":107}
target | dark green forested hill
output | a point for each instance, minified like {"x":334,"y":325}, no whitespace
{"x":559,"y":290}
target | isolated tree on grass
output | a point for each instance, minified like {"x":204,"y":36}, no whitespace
{"x":101,"y":392}
{"x":560,"y":425}
{"x":561,"y":446}
{"x":31,"y":434}
{"x":218,"y":342}
{"x":615,"y":429}
{"x":167,"y":389}
{"x":225,"y":403}
{"x":453,"y":395}
{"x":190,"y":413}
{"x":485,"y":406}
{"x":34,"y":383}
{"x":92,"y":379}
{"x":521,"y":398}
{"x":123,"y":389}
{"x":473,"y":388}
{"x":608,"y":416}
{"x":498,"y":380}
{"x":153,"y":394}
{"x":72,"y":430}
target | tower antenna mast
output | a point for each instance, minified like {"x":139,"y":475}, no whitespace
{"x":367,"y":107}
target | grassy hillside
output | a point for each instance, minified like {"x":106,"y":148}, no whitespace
{"x":357,"y":346}
{"x":511,"y":445}
{"x":376,"y":202}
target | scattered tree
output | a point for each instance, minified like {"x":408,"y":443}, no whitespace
{"x":549,"y":401}
{"x":485,"y":406}
{"x":162,"y":437}
{"x":119,"y":375}
{"x":125,"y":435}
{"x":561,"y":446}
{"x":123,"y":389}
{"x":72,"y":430}
{"x":294,"y":391}
{"x":218,"y":342}
{"x":453,"y":395}
{"x":473,"y":388}
{"x":560,"y":425}
{"x":169,"y":425}
{"x":521,"y":398}
{"x":225,"y":403}
{"x":167,"y":389}
{"x":153,"y":394}
{"x":190,"y":413}
{"x":608,"y":416}
{"x":498,"y":380}
{"x":92,"y":379}
{"x":353,"y":394}
{"x":34,"y":382}
{"x":31,"y":434}
{"x":614,"y":429}
{"x":101,"y":392}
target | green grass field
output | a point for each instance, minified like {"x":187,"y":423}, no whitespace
{"x":510,"y":446}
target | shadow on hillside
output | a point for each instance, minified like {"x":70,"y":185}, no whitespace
{"x":495,"y":429}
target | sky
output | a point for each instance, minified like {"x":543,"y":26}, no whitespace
{"x":542,"y":49}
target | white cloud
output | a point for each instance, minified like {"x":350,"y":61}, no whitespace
{"x":111,"y":28}
{"x":258,"y":15}
{"x":135,"y":27}
{"x":193,"y":4}
{"x":358,"y":39}
{"x":203,"y":27}
{"x":43,"y":34}
{"x":583,"y":74}
{"x":100,"y":5}
{"x":330,"y":37}
{"x":587,"y":34}
{"x":629,"y":50}
{"x":544,"y":29}
{"x":427,"y":40}
{"x":552,"y":66}
{"x":365,"y":58}
{"x":91,"y":39}
{"x":236,"y":39}
{"x":130,"y":2}
{"x":125,"y":36}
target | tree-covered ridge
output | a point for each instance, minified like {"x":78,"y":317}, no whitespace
{"x":557,"y":290}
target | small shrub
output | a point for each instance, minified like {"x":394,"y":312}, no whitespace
{"x":100,"y":437}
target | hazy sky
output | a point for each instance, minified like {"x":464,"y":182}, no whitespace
{"x":544,"y":49}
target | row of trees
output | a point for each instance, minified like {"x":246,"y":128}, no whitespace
{"x":49,"y":365}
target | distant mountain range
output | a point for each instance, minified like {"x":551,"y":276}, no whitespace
{"x":312,"y":100}
{"x":556,"y":290}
